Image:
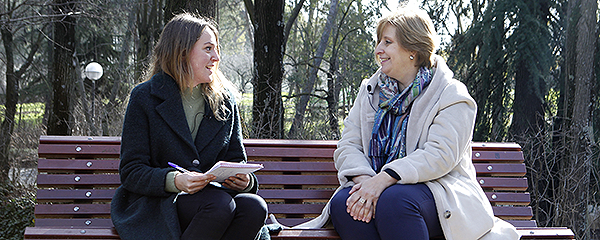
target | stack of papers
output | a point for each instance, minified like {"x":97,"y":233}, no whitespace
{"x":223,"y":170}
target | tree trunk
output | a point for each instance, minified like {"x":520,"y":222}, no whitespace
{"x":267,"y":108}
{"x":297,"y":124}
{"x":12,"y":97}
{"x":63,"y":69}
{"x":333,"y":92}
{"x":528,"y":107}
{"x":206,"y":8}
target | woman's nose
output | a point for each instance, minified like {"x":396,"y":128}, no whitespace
{"x":215,"y":57}
{"x":379,"y":49}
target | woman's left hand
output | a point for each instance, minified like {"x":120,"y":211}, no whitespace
{"x":363,"y":198}
{"x":239,"y":182}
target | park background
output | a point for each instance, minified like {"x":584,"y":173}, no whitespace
{"x":531,"y":65}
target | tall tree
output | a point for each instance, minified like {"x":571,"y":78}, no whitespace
{"x":479,"y":58}
{"x":12,"y":87}
{"x":267,"y":108}
{"x":270,"y":37}
{"x":313,"y":75}
{"x":530,"y":51}
{"x":576,"y":167}
{"x":334,"y":85}
{"x":63,"y":69}
{"x":529,"y":48}
{"x":149,"y":19}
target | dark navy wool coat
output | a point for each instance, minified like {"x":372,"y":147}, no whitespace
{"x":155,"y":131}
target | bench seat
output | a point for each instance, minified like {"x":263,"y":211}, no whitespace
{"x":78,"y":175}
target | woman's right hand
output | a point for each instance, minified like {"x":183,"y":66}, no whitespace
{"x":192,"y":182}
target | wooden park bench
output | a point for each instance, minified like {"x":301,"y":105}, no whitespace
{"x":78,"y":177}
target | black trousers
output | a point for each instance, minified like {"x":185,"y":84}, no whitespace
{"x":214,"y":214}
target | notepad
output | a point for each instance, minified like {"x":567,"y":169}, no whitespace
{"x":222,"y":170}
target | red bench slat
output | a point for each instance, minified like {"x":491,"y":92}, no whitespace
{"x":265,"y":152}
{"x":296,"y":208}
{"x":497,"y":169}
{"x":72,"y":209}
{"x":103,"y":165}
{"x":74,"y":194}
{"x":497,"y":156}
{"x":297,"y":179}
{"x":74,"y":222}
{"x":79,"y":151}
{"x":296,"y":194}
{"x":106,"y":180}
{"x":273,"y":166}
{"x":523,"y":213}
{"x":497,"y":183}
{"x":87,"y":233}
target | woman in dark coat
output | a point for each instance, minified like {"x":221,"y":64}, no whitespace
{"x":185,"y":114}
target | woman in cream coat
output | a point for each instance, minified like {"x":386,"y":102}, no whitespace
{"x":432,"y":177}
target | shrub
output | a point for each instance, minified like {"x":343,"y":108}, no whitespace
{"x":16,"y":211}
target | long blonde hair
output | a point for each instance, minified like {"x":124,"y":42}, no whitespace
{"x":171,"y":55}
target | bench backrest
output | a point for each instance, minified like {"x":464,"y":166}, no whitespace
{"x":77,"y":177}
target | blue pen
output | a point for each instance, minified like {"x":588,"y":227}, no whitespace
{"x":183,"y":170}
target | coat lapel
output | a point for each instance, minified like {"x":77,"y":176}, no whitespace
{"x":425,"y":102}
{"x":171,"y":109}
{"x":209,"y":127}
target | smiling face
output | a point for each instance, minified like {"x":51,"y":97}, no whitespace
{"x":204,"y":58}
{"x":395,"y":60}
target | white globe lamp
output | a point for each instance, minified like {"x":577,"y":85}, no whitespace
{"x":93,"y":71}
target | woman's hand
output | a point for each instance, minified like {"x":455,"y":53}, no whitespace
{"x":239,"y":182}
{"x":192,"y":182}
{"x":364,"y":194}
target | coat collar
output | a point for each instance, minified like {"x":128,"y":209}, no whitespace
{"x":441,"y":76}
{"x":164,"y":87}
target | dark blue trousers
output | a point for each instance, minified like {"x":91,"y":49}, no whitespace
{"x":403,"y":212}
{"x":213,"y":214}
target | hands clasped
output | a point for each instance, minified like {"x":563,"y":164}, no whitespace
{"x":364,"y":194}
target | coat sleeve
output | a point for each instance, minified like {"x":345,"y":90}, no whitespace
{"x":443,"y":142}
{"x":349,"y":157}
{"x":135,"y":169}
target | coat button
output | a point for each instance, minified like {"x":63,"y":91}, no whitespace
{"x":447,"y":214}
{"x":196,"y":162}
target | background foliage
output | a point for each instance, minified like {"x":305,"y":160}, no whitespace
{"x":531,"y":65}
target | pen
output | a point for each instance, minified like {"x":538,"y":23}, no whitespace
{"x":183,"y":170}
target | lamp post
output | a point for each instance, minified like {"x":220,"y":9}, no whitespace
{"x":93,"y":71}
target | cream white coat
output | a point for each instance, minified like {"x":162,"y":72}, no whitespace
{"x":438,"y":154}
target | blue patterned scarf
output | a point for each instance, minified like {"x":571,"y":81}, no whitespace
{"x":389,"y":131}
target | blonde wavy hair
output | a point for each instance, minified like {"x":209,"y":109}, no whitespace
{"x":414,"y":31}
{"x":171,"y":55}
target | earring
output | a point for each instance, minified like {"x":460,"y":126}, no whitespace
{"x":411,"y":57}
